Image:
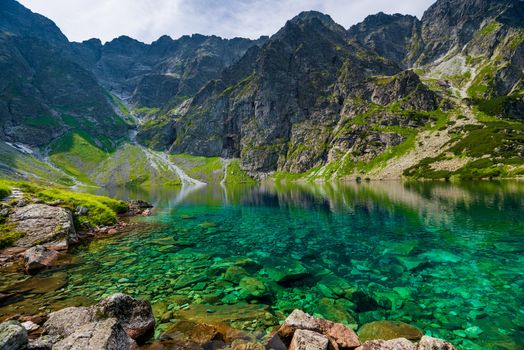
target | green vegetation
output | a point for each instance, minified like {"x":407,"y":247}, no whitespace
{"x":493,"y":148}
{"x":147,"y":112}
{"x":101,"y":210}
{"x":489,"y":29}
{"x":235,"y":174}
{"x":8,"y":234}
{"x":76,"y":153}
{"x":41,"y":121}
{"x":5,"y":190}
{"x":206,"y":169}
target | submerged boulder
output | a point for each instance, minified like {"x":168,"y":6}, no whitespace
{"x":13,"y":336}
{"x":40,"y":224}
{"x":387,"y":330}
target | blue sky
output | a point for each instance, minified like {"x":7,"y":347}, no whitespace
{"x":147,"y":20}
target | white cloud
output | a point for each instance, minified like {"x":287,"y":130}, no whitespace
{"x":147,"y":20}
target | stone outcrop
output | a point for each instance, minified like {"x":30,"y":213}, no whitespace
{"x":42,"y":224}
{"x":135,"y":316}
{"x":99,"y":335}
{"x":116,"y":322}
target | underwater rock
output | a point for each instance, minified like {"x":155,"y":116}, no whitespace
{"x":135,"y":316}
{"x":284,"y":270}
{"x":393,"y":344}
{"x":38,"y":257}
{"x":100,"y":335}
{"x":41,"y":284}
{"x":13,"y":336}
{"x":42,"y":223}
{"x":429,"y":343}
{"x":440,"y":256}
{"x":235,"y":274}
{"x":252,"y":288}
{"x":308,"y":340}
{"x":334,"y":311}
{"x":387,"y":330}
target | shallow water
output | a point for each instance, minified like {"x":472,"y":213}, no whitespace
{"x":445,"y":258}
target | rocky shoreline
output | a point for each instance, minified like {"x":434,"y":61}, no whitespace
{"x":120,"y":322}
{"x":48,"y":230}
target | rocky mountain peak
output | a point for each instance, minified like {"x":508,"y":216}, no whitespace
{"x":390,"y":36}
{"x":308,"y":19}
{"x":18,"y":20}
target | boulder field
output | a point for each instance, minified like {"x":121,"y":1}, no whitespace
{"x":120,"y":322}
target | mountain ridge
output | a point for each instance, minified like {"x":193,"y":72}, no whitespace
{"x":392,"y":96}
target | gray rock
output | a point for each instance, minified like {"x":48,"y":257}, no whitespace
{"x":308,"y":340}
{"x":393,"y":344}
{"x":38,"y":257}
{"x":42,"y":223}
{"x":100,"y":335}
{"x":429,"y":343}
{"x":13,"y":336}
{"x":135,"y":316}
{"x":62,"y":323}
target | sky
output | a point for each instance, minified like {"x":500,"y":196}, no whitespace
{"x":147,"y":20}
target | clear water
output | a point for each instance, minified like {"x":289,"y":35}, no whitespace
{"x":445,"y":258}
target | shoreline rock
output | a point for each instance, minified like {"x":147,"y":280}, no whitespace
{"x":49,"y":230}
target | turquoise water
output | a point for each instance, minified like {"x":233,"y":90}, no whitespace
{"x":445,"y":258}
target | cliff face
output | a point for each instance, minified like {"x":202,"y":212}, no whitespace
{"x":167,"y":70}
{"x":396,"y":37}
{"x":43,"y":94}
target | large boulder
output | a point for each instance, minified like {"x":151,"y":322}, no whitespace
{"x":135,"y":316}
{"x":42,"y":224}
{"x":39,"y":257}
{"x":386,"y":330}
{"x":100,"y":335}
{"x":62,"y":323}
{"x":308,"y":340}
{"x":13,"y":336}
